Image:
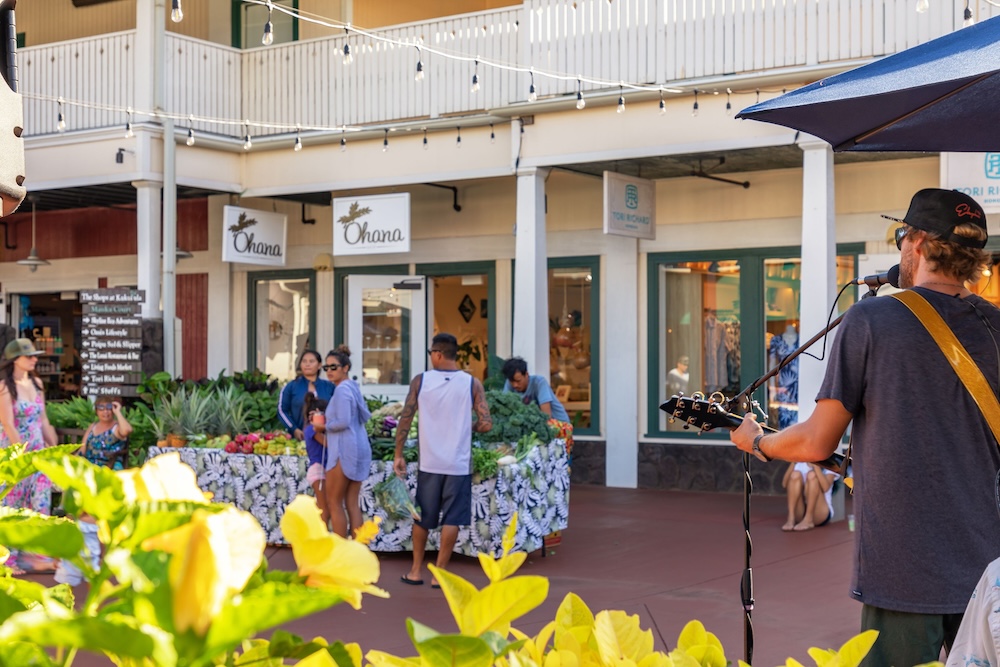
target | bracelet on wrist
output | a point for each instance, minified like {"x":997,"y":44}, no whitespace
{"x":757,"y":451}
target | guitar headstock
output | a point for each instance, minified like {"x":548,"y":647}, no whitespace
{"x":698,"y":412}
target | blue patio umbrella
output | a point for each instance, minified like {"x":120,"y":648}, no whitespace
{"x":943,"y":95}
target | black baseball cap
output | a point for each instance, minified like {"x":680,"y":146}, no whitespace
{"x":939,"y":211}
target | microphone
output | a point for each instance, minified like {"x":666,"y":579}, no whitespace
{"x":877,"y":280}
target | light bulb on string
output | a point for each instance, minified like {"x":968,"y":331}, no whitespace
{"x":348,"y":58}
{"x":176,"y":13}
{"x":419,"y":76}
{"x":60,"y":118}
{"x":729,"y":105}
{"x":268,"y":38}
{"x":247,"y":142}
{"x":493,"y":136}
{"x":343,"y":144}
{"x":923,"y":6}
{"x":128,"y":123}
{"x":694,"y":109}
{"x":458,"y":139}
{"x":475,"y":78}
{"x":385,"y":141}
{"x":190,"y":139}
{"x":663,"y":105}
{"x":621,"y":100}
{"x":967,"y":16}
{"x":532,"y":93}
{"x":298,"y":139}
{"x":425,"y":138}
{"x":580,"y":102}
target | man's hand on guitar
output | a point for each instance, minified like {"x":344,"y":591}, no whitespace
{"x":744,"y":435}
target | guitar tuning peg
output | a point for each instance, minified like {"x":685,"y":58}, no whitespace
{"x":671,"y":420}
{"x":686,"y":426}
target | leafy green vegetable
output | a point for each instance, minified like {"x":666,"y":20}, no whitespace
{"x":513,"y":420}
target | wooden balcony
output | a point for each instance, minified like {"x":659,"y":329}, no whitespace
{"x":688,"y":43}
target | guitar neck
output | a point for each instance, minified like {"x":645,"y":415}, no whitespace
{"x":835,"y":463}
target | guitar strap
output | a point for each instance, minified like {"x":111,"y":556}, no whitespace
{"x":956,"y":354}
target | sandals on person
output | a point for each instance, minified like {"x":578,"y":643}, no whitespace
{"x":412,"y":582}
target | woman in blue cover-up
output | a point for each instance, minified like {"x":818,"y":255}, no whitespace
{"x":348,"y":451}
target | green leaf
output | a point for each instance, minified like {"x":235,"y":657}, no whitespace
{"x":97,"y":490}
{"x":455,"y":651}
{"x":267,"y":606}
{"x":499,"y":644}
{"x":16,"y":595}
{"x":114,"y":634}
{"x":154,"y":518}
{"x":419,"y":632}
{"x":17,"y":464}
{"x":40,"y":534}
{"x":148,"y":596}
{"x":23,"y":654}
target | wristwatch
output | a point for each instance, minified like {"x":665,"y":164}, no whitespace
{"x":757,"y":451}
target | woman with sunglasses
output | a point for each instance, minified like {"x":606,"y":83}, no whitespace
{"x":348,"y":451}
{"x":292,"y":400}
{"x":105,"y":441}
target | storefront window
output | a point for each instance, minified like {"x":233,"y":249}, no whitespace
{"x":283,"y":319}
{"x":717,"y":323}
{"x":700,"y":328}
{"x":385,"y":326}
{"x":573,"y":352}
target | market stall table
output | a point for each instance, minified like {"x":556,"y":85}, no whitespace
{"x":537,"y":488}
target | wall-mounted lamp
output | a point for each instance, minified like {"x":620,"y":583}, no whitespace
{"x":120,"y":155}
{"x":180,"y":254}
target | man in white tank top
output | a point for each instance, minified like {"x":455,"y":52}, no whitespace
{"x":446,"y":398}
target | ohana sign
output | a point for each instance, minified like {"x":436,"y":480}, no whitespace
{"x":254,"y":237}
{"x":371,"y":225}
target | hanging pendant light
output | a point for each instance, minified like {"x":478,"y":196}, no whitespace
{"x":33,"y":261}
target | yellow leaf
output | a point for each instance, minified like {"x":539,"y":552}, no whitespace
{"x":328,"y":561}
{"x":562,"y":659}
{"x":4,"y":554}
{"x":573,"y":612}
{"x":656,"y":659}
{"x":490,"y":567}
{"x":212,"y":558}
{"x":380,"y":659}
{"x":856,"y":648}
{"x":509,"y":535}
{"x":792,"y":662}
{"x":497,"y":605}
{"x":619,"y":637}
{"x":368,"y":531}
{"x":164,"y":477}
{"x":543,"y":636}
{"x":318,"y":659}
{"x":822,"y":657}
{"x":680,"y":658}
{"x":458,"y":592}
{"x":693,"y":634}
{"x":708,"y":655}
{"x":501,"y":568}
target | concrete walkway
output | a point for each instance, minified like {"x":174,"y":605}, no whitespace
{"x":668,"y":556}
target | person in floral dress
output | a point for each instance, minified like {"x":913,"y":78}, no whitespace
{"x":23,"y":420}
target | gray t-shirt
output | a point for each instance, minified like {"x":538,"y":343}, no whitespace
{"x":925,"y":461}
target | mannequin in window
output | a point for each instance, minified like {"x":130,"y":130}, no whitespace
{"x":786,"y":391}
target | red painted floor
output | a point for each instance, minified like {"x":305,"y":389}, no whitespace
{"x":667,"y":556}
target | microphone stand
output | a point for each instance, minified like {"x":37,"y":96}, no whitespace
{"x":743,"y":402}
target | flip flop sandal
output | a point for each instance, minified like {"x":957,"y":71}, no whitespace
{"x":411,"y":582}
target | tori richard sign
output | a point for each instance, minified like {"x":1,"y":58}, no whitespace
{"x":629,"y":206}
{"x":371,"y":225}
{"x":254,"y":237}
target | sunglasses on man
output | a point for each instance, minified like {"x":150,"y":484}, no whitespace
{"x":901,"y":233}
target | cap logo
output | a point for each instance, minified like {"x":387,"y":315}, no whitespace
{"x":963,"y":210}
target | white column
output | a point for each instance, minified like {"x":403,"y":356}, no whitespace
{"x":145,"y":55}
{"x":819,"y":262}
{"x":531,"y":292}
{"x":147,"y":221}
{"x":620,"y":373}
{"x":503,"y":309}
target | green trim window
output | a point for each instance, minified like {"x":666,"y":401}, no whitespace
{"x":574,"y":339}
{"x":340,"y":292}
{"x":21,"y":40}
{"x":718,"y":320}
{"x":248,"y":23}
{"x":281,"y":320}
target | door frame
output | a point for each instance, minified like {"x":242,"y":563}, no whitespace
{"x":340,"y":291}
{"x":252,"y":278}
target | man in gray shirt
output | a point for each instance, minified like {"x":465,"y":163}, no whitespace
{"x":925,"y":460}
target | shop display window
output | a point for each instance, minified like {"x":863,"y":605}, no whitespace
{"x":573,"y":302}
{"x":282,"y":321}
{"x":717,"y":323}
{"x":385,"y":326}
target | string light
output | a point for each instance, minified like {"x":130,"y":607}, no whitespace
{"x":967,"y":16}
{"x":923,"y":6}
{"x":621,"y":100}
{"x":580,"y":102}
{"x":694,"y":109}
{"x":729,"y":105}
{"x":475,"y":78}
{"x":247,"y":143}
{"x":128,"y":123}
{"x":190,"y":139}
{"x":298,"y":140}
{"x":419,"y":76}
{"x":458,"y":140}
{"x":532,"y":94}
{"x":60,"y":118}
{"x":176,"y":13}
{"x":343,"y":143}
{"x":663,"y":105}
{"x":385,"y":141}
{"x":493,"y":136}
{"x":348,"y":58}
{"x":268,"y":38}
{"x":425,"y":138}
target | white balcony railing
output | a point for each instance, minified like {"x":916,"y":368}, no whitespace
{"x":666,"y":42}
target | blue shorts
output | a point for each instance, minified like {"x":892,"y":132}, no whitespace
{"x":446,"y":496}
